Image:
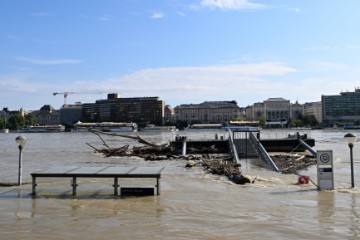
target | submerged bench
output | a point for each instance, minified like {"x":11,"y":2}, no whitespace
{"x":99,"y":172}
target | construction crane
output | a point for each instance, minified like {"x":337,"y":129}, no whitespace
{"x":68,"y":93}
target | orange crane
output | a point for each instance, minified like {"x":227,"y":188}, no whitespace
{"x":68,"y":93}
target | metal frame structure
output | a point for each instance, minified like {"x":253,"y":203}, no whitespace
{"x":99,"y":172}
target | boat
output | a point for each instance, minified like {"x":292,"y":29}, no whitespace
{"x":153,"y":128}
{"x":43,"y":129}
{"x":349,"y":126}
{"x":106,"y":127}
{"x":5,"y":130}
{"x":206,"y":126}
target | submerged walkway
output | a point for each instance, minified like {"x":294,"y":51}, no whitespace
{"x":99,"y":172}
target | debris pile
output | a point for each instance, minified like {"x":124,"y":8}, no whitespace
{"x":289,"y":164}
{"x":227,"y":168}
{"x":210,"y":158}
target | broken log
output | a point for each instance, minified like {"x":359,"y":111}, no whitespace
{"x":137,"y":137}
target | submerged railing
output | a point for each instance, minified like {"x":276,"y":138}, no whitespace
{"x":263,"y":153}
{"x":307,"y":147}
{"x":233,"y":147}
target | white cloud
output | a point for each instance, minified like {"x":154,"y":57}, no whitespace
{"x":245,"y":83}
{"x":196,"y":84}
{"x":48,"y":61}
{"x":230,"y":4}
{"x":157,"y":15}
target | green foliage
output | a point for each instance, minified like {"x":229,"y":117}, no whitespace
{"x":296,"y":123}
{"x":182,"y":124}
{"x":2,"y":123}
{"x":261,"y":120}
{"x":16,"y":122}
{"x":30,"y":119}
{"x":310,"y":120}
{"x":305,"y":121}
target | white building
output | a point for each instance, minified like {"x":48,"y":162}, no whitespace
{"x":208,"y":112}
{"x":275,"y":111}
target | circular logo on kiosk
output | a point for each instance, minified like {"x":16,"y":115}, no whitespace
{"x":324,"y":158}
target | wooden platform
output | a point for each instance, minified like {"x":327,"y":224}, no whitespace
{"x":99,"y":172}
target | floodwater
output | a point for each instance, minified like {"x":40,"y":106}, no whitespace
{"x":192,"y":204}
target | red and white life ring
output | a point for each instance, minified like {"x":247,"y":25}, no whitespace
{"x":303,"y":180}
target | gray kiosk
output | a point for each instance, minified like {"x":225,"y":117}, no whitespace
{"x":325,"y":168}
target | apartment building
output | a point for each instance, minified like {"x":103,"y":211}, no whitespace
{"x":146,"y":110}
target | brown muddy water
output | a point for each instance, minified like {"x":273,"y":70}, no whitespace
{"x":192,"y":204}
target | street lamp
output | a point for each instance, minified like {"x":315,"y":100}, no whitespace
{"x":20,"y":141}
{"x":351,"y":138}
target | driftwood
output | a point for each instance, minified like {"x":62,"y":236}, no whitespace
{"x":227,"y":168}
{"x":289,"y":164}
{"x":137,"y":137}
{"x":149,"y":148}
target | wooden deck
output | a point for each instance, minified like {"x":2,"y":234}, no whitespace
{"x":99,"y":172}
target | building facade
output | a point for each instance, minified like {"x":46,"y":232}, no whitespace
{"x":169,"y":115}
{"x":275,"y":111}
{"x":70,"y":113}
{"x":315,"y":109}
{"x":343,"y":109}
{"x":47,"y":115}
{"x":146,"y":110}
{"x":208,"y":112}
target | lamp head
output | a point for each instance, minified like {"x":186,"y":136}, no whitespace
{"x":350,"y":138}
{"x":21,"y":141}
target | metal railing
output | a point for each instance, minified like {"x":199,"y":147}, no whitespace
{"x":307,"y":147}
{"x":233,"y":147}
{"x":263,"y":153}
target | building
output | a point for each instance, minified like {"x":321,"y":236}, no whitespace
{"x":169,"y":115}
{"x":208,"y":112}
{"x":141,"y":110}
{"x":296,"y":110}
{"x":47,"y":115}
{"x":70,"y":113}
{"x":275,"y":111}
{"x":315,"y":109}
{"x":343,"y":109}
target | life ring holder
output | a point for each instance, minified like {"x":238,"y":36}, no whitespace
{"x":303,"y":180}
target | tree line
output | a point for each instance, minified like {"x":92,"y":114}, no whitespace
{"x":17,"y":121}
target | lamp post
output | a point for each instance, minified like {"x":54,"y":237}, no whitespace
{"x":20,"y":141}
{"x":351,"y":138}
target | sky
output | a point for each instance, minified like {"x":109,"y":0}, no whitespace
{"x":182,"y":51}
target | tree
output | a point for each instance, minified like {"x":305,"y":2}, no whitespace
{"x":16,"y":122}
{"x":30,"y":119}
{"x":181,"y":124}
{"x":261,"y":120}
{"x":296,"y":123}
{"x":2,"y":123}
{"x":310,"y":120}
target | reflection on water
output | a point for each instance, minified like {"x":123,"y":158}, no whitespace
{"x":325,"y":210}
{"x":192,"y":204}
